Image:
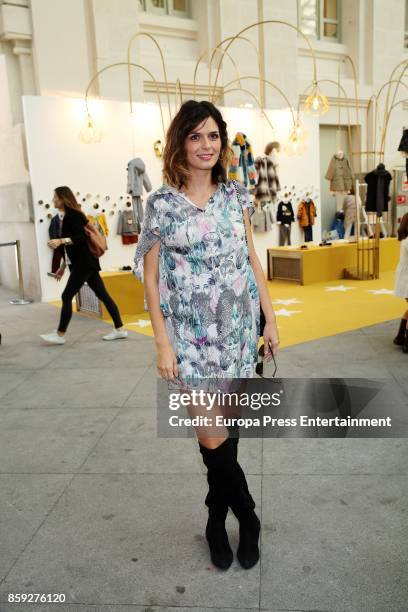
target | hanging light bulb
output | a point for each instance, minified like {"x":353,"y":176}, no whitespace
{"x":299,"y":131}
{"x":90,"y":133}
{"x":316,"y":102}
{"x":297,"y":139}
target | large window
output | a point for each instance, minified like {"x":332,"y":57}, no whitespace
{"x":320,"y":18}
{"x":176,"y":8}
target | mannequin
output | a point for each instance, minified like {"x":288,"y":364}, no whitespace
{"x":378,"y":185}
{"x":306,"y":215}
{"x":285,"y":217}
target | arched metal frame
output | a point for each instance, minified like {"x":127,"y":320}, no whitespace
{"x":129,"y":66}
{"x":257,"y":24}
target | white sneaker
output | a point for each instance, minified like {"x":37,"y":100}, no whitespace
{"x":116,"y":334}
{"x":53,"y":338}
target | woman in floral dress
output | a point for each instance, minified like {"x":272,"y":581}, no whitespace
{"x":204,"y":286}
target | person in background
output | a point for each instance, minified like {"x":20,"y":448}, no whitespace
{"x":83,"y":265}
{"x":401,"y":282}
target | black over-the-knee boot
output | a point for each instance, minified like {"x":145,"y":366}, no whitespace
{"x":216,"y":534}
{"x":229,"y":482}
{"x":212,"y":500}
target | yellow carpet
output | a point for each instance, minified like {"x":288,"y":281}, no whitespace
{"x":316,"y":312}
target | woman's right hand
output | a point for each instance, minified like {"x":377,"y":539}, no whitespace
{"x":59,"y":273}
{"x":167,"y":362}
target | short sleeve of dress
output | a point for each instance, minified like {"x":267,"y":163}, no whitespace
{"x":149,"y":235}
{"x":243,"y":197}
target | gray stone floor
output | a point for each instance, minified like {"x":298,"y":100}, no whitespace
{"x":95,"y":506}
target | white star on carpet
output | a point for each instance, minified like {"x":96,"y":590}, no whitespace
{"x":286,"y":313}
{"x":339,"y":288}
{"x":381,"y":291}
{"x":287,"y":302}
{"x":140,"y":323}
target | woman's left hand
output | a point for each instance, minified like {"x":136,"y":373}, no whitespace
{"x":271,"y":340}
{"x":54,"y":244}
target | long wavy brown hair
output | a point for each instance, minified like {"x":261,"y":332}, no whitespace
{"x":69,"y":200}
{"x":189,"y":116}
{"x":403,"y":227}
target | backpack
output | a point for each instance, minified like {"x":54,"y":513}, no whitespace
{"x":96,"y":241}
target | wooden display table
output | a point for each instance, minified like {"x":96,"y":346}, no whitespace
{"x":326,"y":263}
{"x":126,"y":290}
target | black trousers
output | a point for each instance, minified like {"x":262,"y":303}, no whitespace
{"x":76,"y":279}
{"x":308,"y":233}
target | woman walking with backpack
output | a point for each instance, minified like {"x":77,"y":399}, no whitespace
{"x":83,"y":264}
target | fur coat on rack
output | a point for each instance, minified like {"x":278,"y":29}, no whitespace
{"x":268,"y":181}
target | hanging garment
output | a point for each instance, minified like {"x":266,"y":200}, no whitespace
{"x":137,"y":177}
{"x":54,"y":232}
{"x":268,"y":182}
{"x":262,"y":220}
{"x":306,"y":213}
{"x":138,"y":209}
{"x":100,"y":223}
{"x":242,"y":167}
{"x":339,"y":174}
{"x":285,"y":213}
{"x":270,"y":214}
{"x":129,"y":239}
{"x":284,"y":234}
{"x":378,"y":186}
{"x":128,"y":226}
{"x":403,"y":147}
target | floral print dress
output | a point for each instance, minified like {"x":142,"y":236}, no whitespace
{"x":208,"y":291}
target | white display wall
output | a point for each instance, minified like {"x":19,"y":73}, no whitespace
{"x":58,"y":157}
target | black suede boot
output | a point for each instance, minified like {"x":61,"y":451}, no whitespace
{"x":215,"y":532}
{"x":248,"y":549}
{"x":400,"y":337}
{"x":230,"y":483}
